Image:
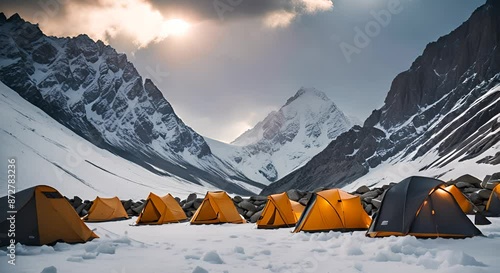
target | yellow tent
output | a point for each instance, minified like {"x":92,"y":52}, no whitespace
{"x":297,"y":208}
{"x":493,"y":205}
{"x":279,"y":212}
{"x":462,"y":201}
{"x":161,"y":210}
{"x":333,"y":210}
{"x":43,"y":217}
{"x":216,"y":208}
{"x":106,"y":209}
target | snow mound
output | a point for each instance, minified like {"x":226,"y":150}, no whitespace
{"x":212,"y":257}
{"x":200,"y":270}
{"x":50,"y":269}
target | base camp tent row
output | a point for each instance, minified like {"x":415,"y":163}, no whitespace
{"x":333,"y":210}
{"x":161,"y":210}
{"x":43,"y":217}
{"x":421,"y":207}
{"x":106,"y":209}
{"x":279,"y":212}
{"x":217,"y":208}
{"x":493,"y":205}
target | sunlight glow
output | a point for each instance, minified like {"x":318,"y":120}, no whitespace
{"x":175,"y":27}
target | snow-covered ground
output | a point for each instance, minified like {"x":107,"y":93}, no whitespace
{"x":243,"y":248}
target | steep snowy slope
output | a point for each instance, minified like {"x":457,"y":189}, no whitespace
{"x":49,"y":153}
{"x":441,"y":112}
{"x":94,"y":91}
{"x":287,"y":138}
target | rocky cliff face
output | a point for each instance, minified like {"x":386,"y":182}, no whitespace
{"x":447,"y":103}
{"x":97,"y":93}
{"x":287,"y":138}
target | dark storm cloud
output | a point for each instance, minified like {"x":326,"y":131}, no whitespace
{"x":223,"y":9}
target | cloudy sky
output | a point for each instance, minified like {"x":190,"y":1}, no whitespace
{"x":225,"y":64}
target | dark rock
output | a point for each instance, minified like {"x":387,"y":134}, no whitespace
{"x":261,"y":207}
{"x":485,"y":181}
{"x":188,"y":205}
{"x":241,"y":211}
{"x":130,"y":212}
{"x":293,"y":195}
{"x":469,"y":190}
{"x":303,"y":201}
{"x":481,"y":208}
{"x":189,"y":214}
{"x":376,"y":203}
{"x":87,"y":206}
{"x":258,"y":198}
{"x":491,"y":185}
{"x":127,"y":204}
{"x":362,"y":190}
{"x":469,"y":179}
{"x":475,"y":198}
{"x":247,"y":206}
{"x":249,"y":214}
{"x":369,"y":209}
{"x":191,"y":197}
{"x":484,"y":193}
{"x":386,"y":187}
{"x":77,"y":201}
{"x":462,"y":185}
{"x":178,"y":200}
{"x":370,"y":194}
{"x":237,"y":199}
{"x":258,"y":203}
{"x":80,"y":208}
{"x":138,"y":209}
{"x":255,"y":217}
{"x":197,"y":203}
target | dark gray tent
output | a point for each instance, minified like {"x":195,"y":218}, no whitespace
{"x":418,"y":206}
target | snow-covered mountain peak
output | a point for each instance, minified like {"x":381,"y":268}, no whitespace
{"x":308,"y":93}
{"x":289,"y":137}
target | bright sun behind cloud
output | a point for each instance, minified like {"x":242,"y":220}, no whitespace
{"x":175,"y":27}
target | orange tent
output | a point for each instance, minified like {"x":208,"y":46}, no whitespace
{"x":161,"y":210}
{"x":462,"y":201}
{"x":217,"y":208}
{"x":333,"y":210}
{"x":106,"y":209}
{"x":297,"y":208}
{"x":44,"y":217}
{"x":279,"y":212}
{"x":493,"y":205}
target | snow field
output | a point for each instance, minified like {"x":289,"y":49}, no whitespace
{"x":181,"y":247}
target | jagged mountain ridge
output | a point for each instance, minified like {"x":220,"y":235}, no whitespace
{"x":97,"y":93}
{"x":286,"y":138}
{"x":447,"y":104}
